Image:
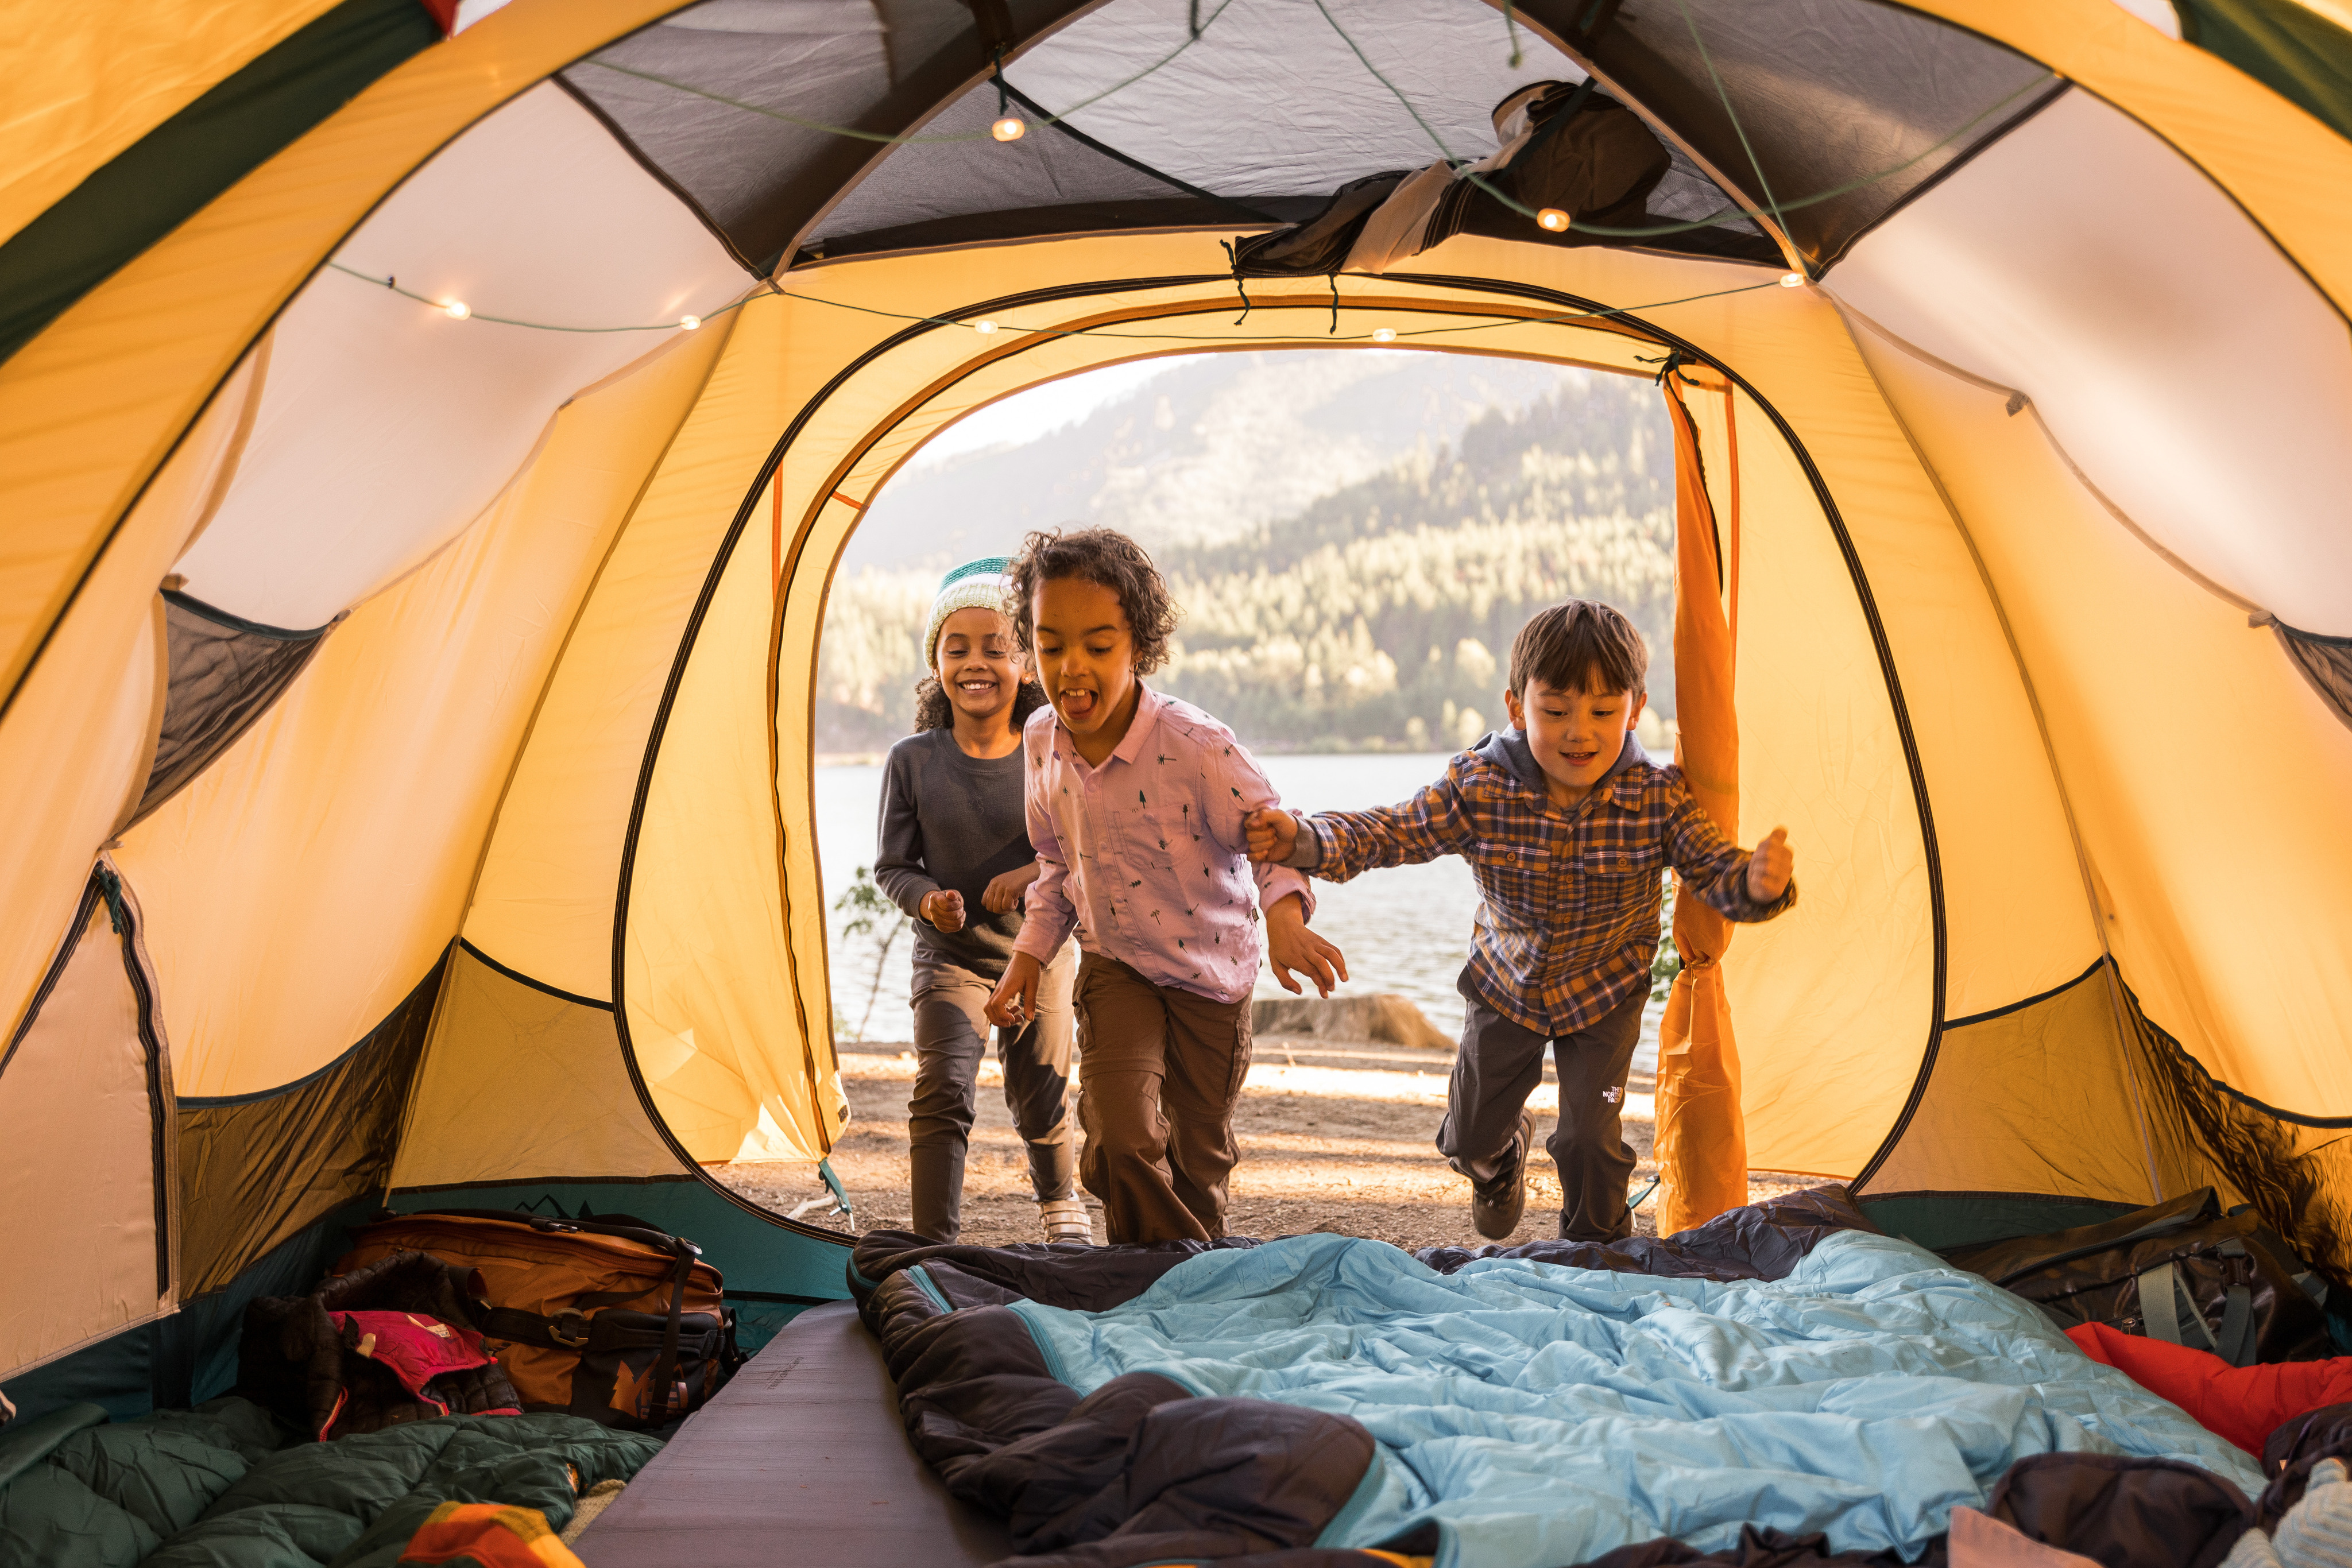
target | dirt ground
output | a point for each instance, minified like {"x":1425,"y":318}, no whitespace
{"x":1334,"y":1137}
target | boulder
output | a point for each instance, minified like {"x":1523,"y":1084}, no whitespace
{"x":1389,"y":1019}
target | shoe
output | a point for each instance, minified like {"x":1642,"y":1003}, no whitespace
{"x":1065,"y":1219}
{"x":1495,"y":1208}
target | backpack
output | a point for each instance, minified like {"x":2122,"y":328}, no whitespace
{"x":603,"y":1316}
{"x":2182,"y":1271}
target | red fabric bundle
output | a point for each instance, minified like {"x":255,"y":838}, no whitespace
{"x":2243,"y":1404}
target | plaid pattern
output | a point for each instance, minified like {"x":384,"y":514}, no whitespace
{"x":1570,"y":923}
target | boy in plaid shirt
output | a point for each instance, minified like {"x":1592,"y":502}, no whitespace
{"x":1567,"y":824}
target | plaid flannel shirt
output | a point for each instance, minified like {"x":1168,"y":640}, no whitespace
{"x":1569,"y":924}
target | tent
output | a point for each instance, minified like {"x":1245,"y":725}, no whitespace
{"x":426,"y":433}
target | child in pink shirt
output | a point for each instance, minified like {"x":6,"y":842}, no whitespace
{"x":1136,"y":802}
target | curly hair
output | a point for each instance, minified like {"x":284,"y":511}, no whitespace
{"x":934,"y":711}
{"x":1108,"y":558}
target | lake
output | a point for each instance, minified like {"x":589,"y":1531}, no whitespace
{"x":1405,"y":930}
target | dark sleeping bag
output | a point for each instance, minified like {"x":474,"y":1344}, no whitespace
{"x":211,"y":1487}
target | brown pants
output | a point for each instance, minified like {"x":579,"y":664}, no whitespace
{"x":1159,"y":1072}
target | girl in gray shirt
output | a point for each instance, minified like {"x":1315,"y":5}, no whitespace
{"x":954,"y":853}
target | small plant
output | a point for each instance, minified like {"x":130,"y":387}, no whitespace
{"x":868,"y":907}
{"x":1669,"y":962}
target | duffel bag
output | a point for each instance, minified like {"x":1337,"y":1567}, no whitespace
{"x":605,"y":1317}
{"x":2181,"y":1271}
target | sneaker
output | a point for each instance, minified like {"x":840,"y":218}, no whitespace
{"x":1495,"y":1208}
{"x":1065,"y":1219}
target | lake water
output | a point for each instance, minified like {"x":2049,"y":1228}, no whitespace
{"x":1405,"y":930}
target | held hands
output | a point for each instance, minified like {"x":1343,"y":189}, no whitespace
{"x":1289,"y":945}
{"x":1770,"y":867}
{"x":1004,"y":891}
{"x":944,"y":909}
{"x":1015,"y":998}
{"x":1272,"y":832}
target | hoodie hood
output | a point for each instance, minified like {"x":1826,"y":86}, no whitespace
{"x":1508,"y":749}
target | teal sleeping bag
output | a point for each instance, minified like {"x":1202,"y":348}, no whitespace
{"x":1535,"y":1414}
{"x":212,"y":1487}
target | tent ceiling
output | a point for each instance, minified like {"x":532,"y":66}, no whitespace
{"x":1829,"y":94}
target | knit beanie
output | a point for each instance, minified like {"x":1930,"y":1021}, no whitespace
{"x":975,"y":585}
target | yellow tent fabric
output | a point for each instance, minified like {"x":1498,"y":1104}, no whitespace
{"x":541,"y":808}
{"x":1701,"y":1138}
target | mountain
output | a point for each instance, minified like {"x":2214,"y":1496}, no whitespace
{"x":1209,"y":448}
{"x":1374,"y":609}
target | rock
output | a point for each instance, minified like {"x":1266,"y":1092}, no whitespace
{"x":1390,"y":1019}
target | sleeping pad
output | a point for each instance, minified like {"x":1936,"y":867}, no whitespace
{"x":211,"y":1487}
{"x":1522,"y":1409}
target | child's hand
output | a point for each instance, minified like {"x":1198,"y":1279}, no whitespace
{"x":1004,"y":891}
{"x":1770,"y":867}
{"x":943,"y":909}
{"x":1272,"y":833}
{"x":1289,"y":945}
{"x":1015,"y":998}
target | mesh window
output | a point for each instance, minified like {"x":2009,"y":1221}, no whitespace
{"x":756,"y":177}
{"x":1850,"y":107}
{"x":224,"y":673}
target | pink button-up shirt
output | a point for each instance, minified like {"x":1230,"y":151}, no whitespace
{"x":1144,"y":855}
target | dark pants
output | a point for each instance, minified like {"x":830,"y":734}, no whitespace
{"x":1159,"y":1070}
{"x":1499,"y":1065}
{"x":951,"y":1038}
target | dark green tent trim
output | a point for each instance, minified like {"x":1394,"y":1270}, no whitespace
{"x":2296,"y":53}
{"x":169,"y":174}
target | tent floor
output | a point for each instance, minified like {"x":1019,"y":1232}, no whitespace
{"x":800,"y":1458}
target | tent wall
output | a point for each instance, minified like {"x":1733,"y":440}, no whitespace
{"x":338,"y":841}
{"x":258,"y":1169}
{"x":86,"y":1144}
{"x":523,"y":1084}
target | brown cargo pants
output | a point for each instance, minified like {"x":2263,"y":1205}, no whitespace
{"x":1159,"y":1070}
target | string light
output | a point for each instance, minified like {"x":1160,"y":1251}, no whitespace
{"x":1552,"y":218}
{"x":1010,"y":129}
{"x":1383,"y":334}
{"x":983,"y":327}
{"x":1792,"y":281}
{"x":458,"y":310}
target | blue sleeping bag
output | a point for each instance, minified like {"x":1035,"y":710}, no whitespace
{"x":1540,"y":1415}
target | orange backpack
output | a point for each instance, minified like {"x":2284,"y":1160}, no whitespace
{"x":604,"y":1317}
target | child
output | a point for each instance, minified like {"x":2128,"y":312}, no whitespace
{"x":955,"y":855}
{"x":1566,"y":823}
{"x":1136,"y":803}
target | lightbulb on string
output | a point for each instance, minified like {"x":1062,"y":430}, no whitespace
{"x":457,"y":309}
{"x":1792,"y":281}
{"x":1383,"y":334}
{"x":689,"y":322}
{"x":983,"y":327}
{"x":1012,"y":127}
{"x":1552,"y":218}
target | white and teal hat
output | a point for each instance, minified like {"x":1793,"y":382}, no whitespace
{"x":975,"y":585}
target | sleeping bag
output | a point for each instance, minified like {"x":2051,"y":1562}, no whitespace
{"x":1784,"y":1369}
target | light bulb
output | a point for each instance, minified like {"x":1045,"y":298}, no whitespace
{"x":1009,"y":128}
{"x":457,"y":309}
{"x":689,"y":322}
{"x":1552,"y":218}
{"x":1383,"y":334}
{"x":983,"y":327}
{"x":1792,"y":281}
